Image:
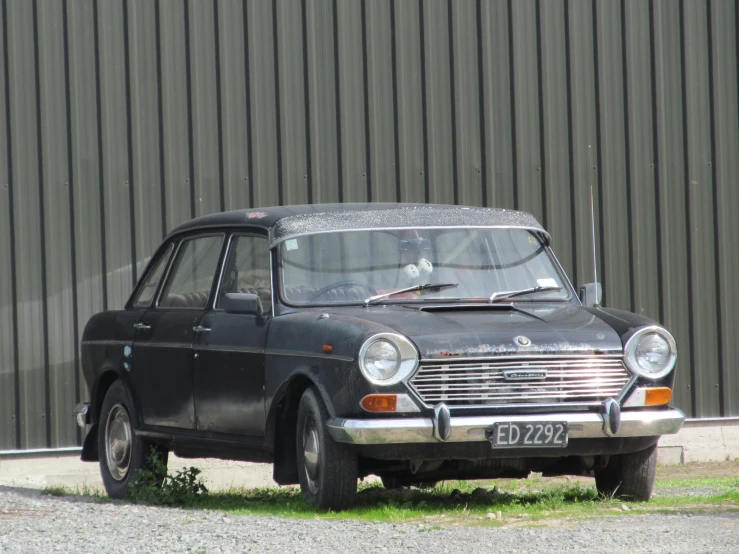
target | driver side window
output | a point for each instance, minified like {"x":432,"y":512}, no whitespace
{"x":247,"y":269}
{"x":191,"y":277}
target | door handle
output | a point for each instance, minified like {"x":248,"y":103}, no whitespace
{"x":141,"y":326}
{"x":201,"y":329}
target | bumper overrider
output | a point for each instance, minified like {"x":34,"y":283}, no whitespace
{"x":442,"y":427}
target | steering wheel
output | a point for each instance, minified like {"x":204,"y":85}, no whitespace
{"x":346,"y":283}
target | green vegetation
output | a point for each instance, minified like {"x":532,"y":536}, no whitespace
{"x":465,"y":503}
{"x":533,"y":501}
{"x":157,"y":486}
{"x":55,"y":490}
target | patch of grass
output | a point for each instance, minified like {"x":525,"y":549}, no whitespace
{"x":699,"y":482}
{"x":454,"y":503}
{"x":55,"y":490}
{"x":535,"y":501}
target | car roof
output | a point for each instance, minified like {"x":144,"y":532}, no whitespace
{"x":283,"y":222}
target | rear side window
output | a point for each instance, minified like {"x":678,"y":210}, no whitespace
{"x":148,"y":288}
{"x":191,"y":277}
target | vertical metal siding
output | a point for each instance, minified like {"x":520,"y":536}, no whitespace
{"x":57,"y":248}
{"x":351,"y":105}
{"x":9,"y":423}
{"x":465,"y":104}
{"x":553,"y":127}
{"x":725,"y":52}
{"x":408,"y":75}
{"x":121,"y":119}
{"x":379,"y":51}
{"x":671,"y":182}
{"x":26,"y":157}
{"x":498,"y":157}
{"x":86,"y":234}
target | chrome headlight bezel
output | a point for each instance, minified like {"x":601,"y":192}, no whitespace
{"x":630,"y":358}
{"x":408,"y":358}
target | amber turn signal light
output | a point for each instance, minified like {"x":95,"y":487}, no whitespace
{"x":379,"y":402}
{"x":658,"y":396}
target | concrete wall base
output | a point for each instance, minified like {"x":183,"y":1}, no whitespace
{"x":701,"y":441}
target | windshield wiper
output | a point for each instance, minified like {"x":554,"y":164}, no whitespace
{"x":503,"y":295}
{"x":428,"y":287}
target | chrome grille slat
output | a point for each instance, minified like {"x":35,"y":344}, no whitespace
{"x":573,"y":379}
{"x":466,"y":377}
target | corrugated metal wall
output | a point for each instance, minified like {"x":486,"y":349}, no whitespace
{"x":120,"y":119}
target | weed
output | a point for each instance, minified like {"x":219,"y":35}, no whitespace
{"x":155,"y":485}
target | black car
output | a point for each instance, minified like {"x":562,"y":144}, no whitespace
{"x":414,"y":342}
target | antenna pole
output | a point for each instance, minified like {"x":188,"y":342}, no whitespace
{"x":592,"y":217}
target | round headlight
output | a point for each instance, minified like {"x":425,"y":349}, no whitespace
{"x":387,"y":358}
{"x":651,"y":352}
{"x":382,"y":359}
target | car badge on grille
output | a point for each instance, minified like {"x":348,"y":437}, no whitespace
{"x":523,"y":341}
{"x":524,"y":374}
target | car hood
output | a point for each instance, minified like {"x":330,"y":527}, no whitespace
{"x":478,"y":331}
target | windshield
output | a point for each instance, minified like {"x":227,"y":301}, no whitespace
{"x":351,"y":266}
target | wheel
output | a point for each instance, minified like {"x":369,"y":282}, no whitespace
{"x":122,"y":453}
{"x":629,"y":476}
{"x":327,"y":470}
{"x":338,"y":284}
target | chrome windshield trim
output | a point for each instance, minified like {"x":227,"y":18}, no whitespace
{"x":538,"y":231}
{"x":643,"y":423}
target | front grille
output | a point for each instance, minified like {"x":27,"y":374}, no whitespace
{"x":569,"y":379}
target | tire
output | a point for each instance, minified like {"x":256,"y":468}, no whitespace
{"x":122,"y":453}
{"x":327,"y":470}
{"x":629,"y":476}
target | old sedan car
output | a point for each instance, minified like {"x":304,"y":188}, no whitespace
{"x":414,"y":342}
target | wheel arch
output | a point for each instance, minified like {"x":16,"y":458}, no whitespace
{"x":282,"y":423}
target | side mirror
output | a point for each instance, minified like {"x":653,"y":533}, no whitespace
{"x":591,"y":294}
{"x":242,"y":303}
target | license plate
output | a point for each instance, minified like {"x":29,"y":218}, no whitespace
{"x":520,"y":434}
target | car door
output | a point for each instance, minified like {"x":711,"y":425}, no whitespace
{"x":163,"y":354}
{"x":229,"y":354}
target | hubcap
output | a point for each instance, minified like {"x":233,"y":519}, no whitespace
{"x":311,"y":455}
{"x":118,"y":441}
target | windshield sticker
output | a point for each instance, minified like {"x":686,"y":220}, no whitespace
{"x":533,"y":240}
{"x":291,"y":244}
{"x":547,"y":282}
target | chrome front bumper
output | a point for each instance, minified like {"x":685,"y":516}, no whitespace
{"x":473,"y":428}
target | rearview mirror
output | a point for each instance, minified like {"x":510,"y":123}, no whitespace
{"x":242,"y":303}
{"x":590,"y":294}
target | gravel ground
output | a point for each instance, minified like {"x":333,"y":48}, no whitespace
{"x":32,"y":522}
